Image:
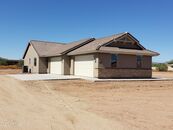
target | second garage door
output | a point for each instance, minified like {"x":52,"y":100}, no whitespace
{"x":55,"y":65}
{"x":84,"y":65}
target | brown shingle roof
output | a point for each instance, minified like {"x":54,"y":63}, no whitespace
{"x":49,"y":49}
{"x":127,"y":51}
{"x":98,"y":46}
{"x":92,"y":46}
{"x":85,"y":46}
{"x":45,"y":49}
{"x":73,"y":45}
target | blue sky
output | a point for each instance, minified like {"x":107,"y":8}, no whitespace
{"x":150,"y":21}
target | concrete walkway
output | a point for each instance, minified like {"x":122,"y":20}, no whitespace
{"x":26,"y":77}
{"x":128,"y":80}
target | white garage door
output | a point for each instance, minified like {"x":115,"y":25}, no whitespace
{"x":84,"y":65}
{"x":55,"y":65}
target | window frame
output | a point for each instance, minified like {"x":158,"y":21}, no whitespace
{"x":35,"y":61}
{"x":114,"y":60}
{"x":139,"y":61}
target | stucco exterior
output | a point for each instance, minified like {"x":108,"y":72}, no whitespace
{"x":41,"y":63}
{"x":126,"y":65}
{"x":66,"y":65}
{"x":29,"y":60}
{"x":116,"y":56}
{"x":71,"y":65}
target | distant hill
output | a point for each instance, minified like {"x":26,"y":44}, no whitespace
{"x":1,"y":58}
{"x":4,"y":61}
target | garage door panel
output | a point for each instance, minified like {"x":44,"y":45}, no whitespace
{"x":55,"y":65}
{"x":84,"y":65}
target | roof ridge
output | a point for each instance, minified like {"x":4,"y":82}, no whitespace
{"x":50,"y":42}
{"x":112,"y":35}
{"x":79,"y":40}
{"x":83,"y":42}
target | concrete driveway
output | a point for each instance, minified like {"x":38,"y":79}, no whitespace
{"x":28,"y":77}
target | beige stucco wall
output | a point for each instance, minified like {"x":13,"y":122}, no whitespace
{"x":31,"y":53}
{"x":42,"y":63}
{"x":66,"y":65}
{"x":72,"y":65}
{"x":48,"y":70}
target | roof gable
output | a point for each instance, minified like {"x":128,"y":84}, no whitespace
{"x":96,"y":44}
{"x":43,"y":48}
{"x":26,"y":50}
{"x":102,"y":45}
{"x":126,"y":42}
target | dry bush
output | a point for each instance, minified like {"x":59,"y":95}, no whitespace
{"x":9,"y":67}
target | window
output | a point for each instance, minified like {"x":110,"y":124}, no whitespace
{"x":114,"y":60}
{"x":139,"y":61}
{"x":35,"y":61}
{"x":29,"y":61}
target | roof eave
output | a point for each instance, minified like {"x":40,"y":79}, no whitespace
{"x":23,"y":57}
{"x":81,"y":53}
{"x":113,"y":52}
{"x":128,"y":53}
{"x":48,"y":56}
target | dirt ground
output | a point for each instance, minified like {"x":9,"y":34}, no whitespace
{"x":163,"y":74}
{"x":84,"y":105}
{"x":10,"y":71}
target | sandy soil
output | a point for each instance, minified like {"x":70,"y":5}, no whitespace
{"x":35,"y":106}
{"x":138,"y":105}
{"x":163,"y":74}
{"x":83,"y":105}
{"x":10,"y":71}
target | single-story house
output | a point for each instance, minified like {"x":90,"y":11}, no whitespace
{"x":116,"y":56}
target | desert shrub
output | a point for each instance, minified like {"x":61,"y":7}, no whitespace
{"x":161,"y":66}
{"x":9,"y":67}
